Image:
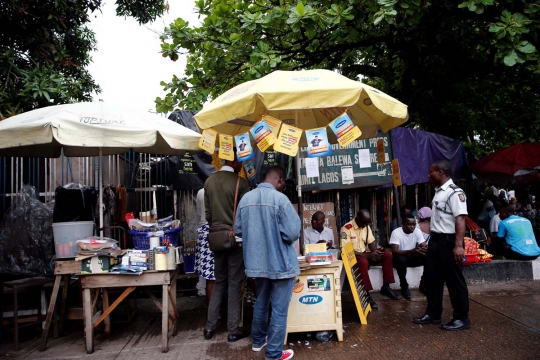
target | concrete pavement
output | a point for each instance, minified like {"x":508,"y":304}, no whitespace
{"x":505,"y":325}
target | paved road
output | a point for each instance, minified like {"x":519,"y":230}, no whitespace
{"x":505,"y":318}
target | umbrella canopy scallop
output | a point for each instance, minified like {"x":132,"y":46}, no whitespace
{"x":307,"y":99}
{"x":82,"y":129}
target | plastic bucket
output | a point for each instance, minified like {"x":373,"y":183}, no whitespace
{"x":67,"y":233}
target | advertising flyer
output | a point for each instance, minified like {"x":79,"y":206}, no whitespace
{"x":207,"y":142}
{"x":263,"y":135}
{"x":273,"y":123}
{"x":346,"y":132}
{"x":250,"y":169}
{"x":317,"y":143}
{"x":244,"y":151}
{"x":288,"y":139}
{"x":226,"y":147}
{"x":318,"y":283}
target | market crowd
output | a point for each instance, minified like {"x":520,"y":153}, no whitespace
{"x":263,"y":225}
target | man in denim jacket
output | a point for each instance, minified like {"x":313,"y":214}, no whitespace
{"x":269,"y":225}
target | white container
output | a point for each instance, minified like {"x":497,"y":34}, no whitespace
{"x":67,"y":233}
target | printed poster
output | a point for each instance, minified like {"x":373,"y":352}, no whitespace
{"x":288,"y":139}
{"x":263,"y":136}
{"x":318,"y":283}
{"x":250,"y":169}
{"x":273,"y":124}
{"x":244,"y":150}
{"x":207,"y":142}
{"x":317,"y":143}
{"x":226,"y":151}
{"x":345,"y":130}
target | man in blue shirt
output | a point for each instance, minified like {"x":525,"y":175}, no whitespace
{"x":515,"y":238}
{"x":269,"y":225}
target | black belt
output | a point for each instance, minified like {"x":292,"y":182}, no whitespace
{"x":441,"y":235}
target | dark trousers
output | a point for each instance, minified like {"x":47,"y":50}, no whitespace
{"x":228,"y":265}
{"x":387,"y":269}
{"x":401,"y":262}
{"x":441,"y":268}
{"x":499,"y":247}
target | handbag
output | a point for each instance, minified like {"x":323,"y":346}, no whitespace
{"x":221,"y":237}
{"x":479,"y":235}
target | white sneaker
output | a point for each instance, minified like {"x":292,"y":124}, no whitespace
{"x":258,"y":348}
{"x":287,"y":354}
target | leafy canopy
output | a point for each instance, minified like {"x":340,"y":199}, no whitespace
{"x":468,"y":70}
{"x":45,"y":50}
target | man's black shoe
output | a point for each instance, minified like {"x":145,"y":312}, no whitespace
{"x":387,"y":291}
{"x":208,"y":334}
{"x":406,"y":293}
{"x":372,"y":302}
{"x":426,"y":319}
{"x":239,"y":335}
{"x":454,"y":325}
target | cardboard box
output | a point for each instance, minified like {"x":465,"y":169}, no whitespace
{"x":96,"y":265}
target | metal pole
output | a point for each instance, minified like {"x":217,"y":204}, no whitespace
{"x":299,"y":189}
{"x":100,"y":184}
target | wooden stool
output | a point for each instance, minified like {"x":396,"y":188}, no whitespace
{"x":24,"y":285}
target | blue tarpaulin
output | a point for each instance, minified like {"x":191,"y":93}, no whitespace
{"x":416,"y":150}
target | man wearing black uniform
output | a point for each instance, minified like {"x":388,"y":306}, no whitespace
{"x":445,"y":254}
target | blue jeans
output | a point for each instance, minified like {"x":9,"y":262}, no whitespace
{"x":278,"y":293}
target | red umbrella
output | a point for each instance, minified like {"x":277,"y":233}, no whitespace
{"x":509,"y":160}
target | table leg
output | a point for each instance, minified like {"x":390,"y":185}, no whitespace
{"x":107,"y":320}
{"x":88,"y":326}
{"x":16,"y":319}
{"x":50,"y":312}
{"x":63,"y":303}
{"x":165,"y":320}
{"x":174,"y":309}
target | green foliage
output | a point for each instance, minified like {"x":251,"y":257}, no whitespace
{"x":467,"y":70}
{"x":45,"y":50}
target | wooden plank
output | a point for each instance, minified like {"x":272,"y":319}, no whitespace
{"x":50,"y":312}
{"x":156,"y":301}
{"x":165,"y":320}
{"x":88,"y":328}
{"x":107,"y":320}
{"x":113,"y":280}
{"x":67,"y":267}
{"x":109,"y":309}
{"x":63,"y":303}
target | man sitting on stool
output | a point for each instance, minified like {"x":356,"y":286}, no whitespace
{"x":358,"y":232}
{"x":515,"y":239}
{"x":408,"y":249}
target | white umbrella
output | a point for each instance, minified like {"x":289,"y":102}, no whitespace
{"x":92,"y":129}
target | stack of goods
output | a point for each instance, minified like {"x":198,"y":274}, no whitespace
{"x":484,"y":256}
{"x":97,"y":254}
{"x":319,"y":258}
{"x":302,"y":262}
{"x":167,"y":229}
{"x":471,"y":251}
{"x":134,"y":262}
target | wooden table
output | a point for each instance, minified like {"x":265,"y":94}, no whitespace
{"x":169,"y":314}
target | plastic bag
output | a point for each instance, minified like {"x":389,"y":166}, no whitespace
{"x":26,"y":236}
{"x":97,"y":243}
{"x":324,"y":336}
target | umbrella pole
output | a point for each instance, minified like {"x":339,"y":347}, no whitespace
{"x":100,"y":184}
{"x":299,"y":188}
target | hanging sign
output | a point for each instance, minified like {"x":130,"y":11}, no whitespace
{"x":226,"y":147}
{"x":360,"y":294}
{"x":273,"y":124}
{"x":207,"y":142}
{"x":345,"y":130}
{"x":250,"y":169}
{"x":380,"y":151}
{"x":243,"y":147}
{"x":263,"y":135}
{"x":396,"y":174}
{"x":216,"y":162}
{"x":288,"y":139}
{"x":317,"y":143}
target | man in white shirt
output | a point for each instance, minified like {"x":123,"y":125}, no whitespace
{"x":318,"y":233}
{"x":408,"y":250}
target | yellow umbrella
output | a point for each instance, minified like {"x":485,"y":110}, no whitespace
{"x":307,"y":99}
